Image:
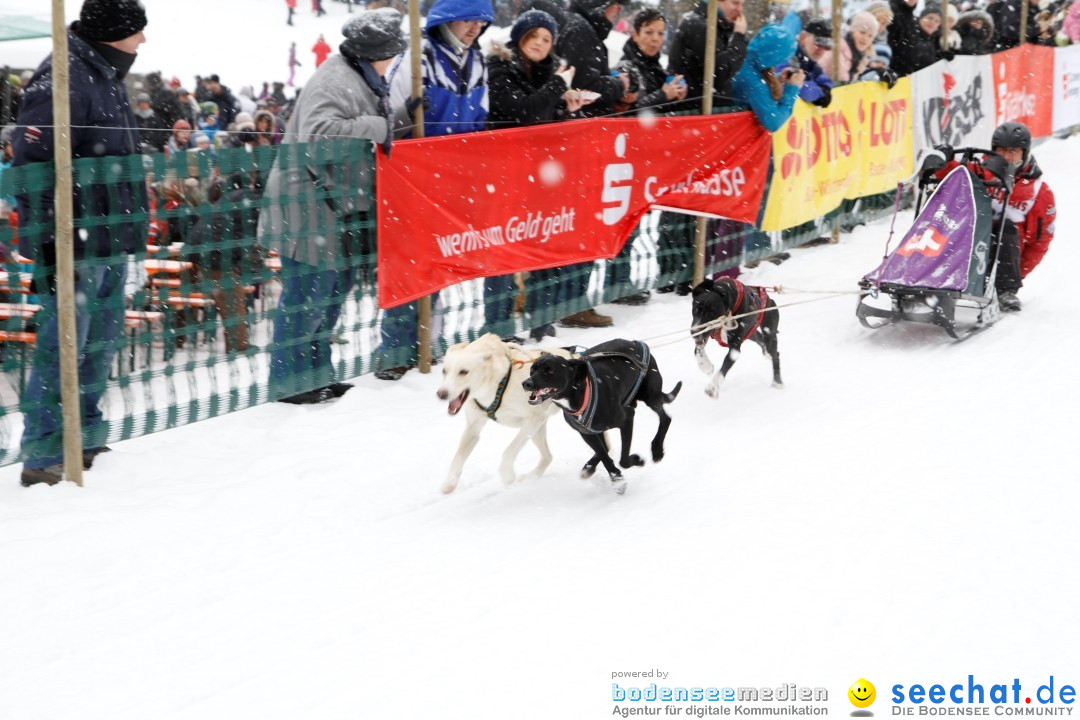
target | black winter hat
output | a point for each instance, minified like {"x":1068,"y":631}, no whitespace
{"x":930,"y":8}
{"x":111,"y":20}
{"x":374,"y":35}
{"x":529,"y":20}
{"x":821,"y":31}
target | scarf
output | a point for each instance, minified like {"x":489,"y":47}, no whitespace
{"x":120,"y":61}
{"x":451,"y":40}
{"x":380,"y":87}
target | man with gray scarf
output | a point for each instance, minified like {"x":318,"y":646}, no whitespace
{"x":320,"y":196}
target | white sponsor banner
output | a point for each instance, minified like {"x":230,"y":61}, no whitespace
{"x":954,"y":104}
{"x":1066,"y":87}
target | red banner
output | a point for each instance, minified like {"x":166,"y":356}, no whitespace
{"x":1024,"y":87}
{"x":461,"y":207}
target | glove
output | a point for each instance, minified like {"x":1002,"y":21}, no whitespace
{"x":412,"y":103}
{"x":946,"y":150}
{"x":825,"y":99}
{"x":888,"y":77}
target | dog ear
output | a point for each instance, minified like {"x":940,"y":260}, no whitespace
{"x":704,"y":286}
{"x":488,"y":356}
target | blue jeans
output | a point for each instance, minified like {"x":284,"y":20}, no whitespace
{"x":99,"y":323}
{"x":499,"y":295}
{"x":399,"y":337}
{"x":311,"y":300}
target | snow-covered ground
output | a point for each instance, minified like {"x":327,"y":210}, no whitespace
{"x":904,"y":510}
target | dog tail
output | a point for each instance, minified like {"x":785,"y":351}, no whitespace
{"x":674,"y":393}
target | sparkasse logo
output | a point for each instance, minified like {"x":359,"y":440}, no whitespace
{"x":973,"y":697}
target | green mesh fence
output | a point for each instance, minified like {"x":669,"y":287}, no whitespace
{"x":211,"y":282}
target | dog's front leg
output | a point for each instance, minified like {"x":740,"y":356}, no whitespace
{"x":539,"y":438}
{"x":506,"y":468}
{"x":713,"y":389}
{"x":465,"y":448}
{"x":704,"y":364}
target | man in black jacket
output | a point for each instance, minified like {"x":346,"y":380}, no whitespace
{"x":581,"y":45}
{"x":687,"y":56}
{"x":1006,"y":17}
{"x":226,"y":102}
{"x":102,"y":47}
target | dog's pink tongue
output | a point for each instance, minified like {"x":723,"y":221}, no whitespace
{"x":455,"y":404}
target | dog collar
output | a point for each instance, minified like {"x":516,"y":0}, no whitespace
{"x":493,"y":408}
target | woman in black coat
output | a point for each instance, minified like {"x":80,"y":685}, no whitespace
{"x":528,"y":85}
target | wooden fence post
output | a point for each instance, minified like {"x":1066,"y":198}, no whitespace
{"x":70,"y":400}
{"x":423,"y":311}
{"x":706,"y":109}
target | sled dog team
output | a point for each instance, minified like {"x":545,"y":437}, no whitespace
{"x":597,"y":390}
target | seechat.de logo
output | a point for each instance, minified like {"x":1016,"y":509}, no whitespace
{"x":862,"y":695}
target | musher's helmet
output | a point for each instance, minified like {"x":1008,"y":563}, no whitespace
{"x":1012,"y":135}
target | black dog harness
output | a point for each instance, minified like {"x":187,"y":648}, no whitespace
{"x":493,"y":408}
{"x":756,"y":298}
{"x":582,"y":419}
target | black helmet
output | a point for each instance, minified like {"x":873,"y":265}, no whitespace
{"x":1012,"y":135}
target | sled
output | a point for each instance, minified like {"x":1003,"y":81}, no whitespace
{"x":942,"y":272}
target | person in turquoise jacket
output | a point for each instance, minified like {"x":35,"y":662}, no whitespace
{"x":771,"y":95}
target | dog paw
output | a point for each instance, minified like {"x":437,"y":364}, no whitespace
{"x":713,"y":390}
{"x":587,"y":472}
{"x":634,"y":460}
{"x":778,"y":385}
{"x":531,"y":476}
{"x":657,"y":454}
{"x":449,"y":486}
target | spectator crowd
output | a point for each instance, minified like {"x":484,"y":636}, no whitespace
{"x":553,"y":67}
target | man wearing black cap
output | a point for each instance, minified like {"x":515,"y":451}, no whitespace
{"x":102,"y":46}
{"x":814,"y":42}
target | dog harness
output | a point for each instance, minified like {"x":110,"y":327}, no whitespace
{"x":756,"y":297}
{"x":582,"y":419}
{"x":493,"y":408}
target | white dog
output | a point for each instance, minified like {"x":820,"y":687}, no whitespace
{"x":485,"y":378}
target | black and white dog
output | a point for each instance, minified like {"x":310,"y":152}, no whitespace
{"x":728,"y":296}
{"x":599,"y":391}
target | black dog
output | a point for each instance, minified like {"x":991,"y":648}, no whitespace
{"x":600,"y":391}
{"x":713,"y":300}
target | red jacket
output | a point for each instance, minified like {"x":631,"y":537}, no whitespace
{"x":322,"y":50}
{"x":291,"y":3}
{"x":1031,"y":208}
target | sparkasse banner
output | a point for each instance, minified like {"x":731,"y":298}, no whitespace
{"x":455,"y":208}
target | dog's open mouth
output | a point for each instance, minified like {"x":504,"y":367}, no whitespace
{"x":456,"y":404}
{"x":538,"y":396}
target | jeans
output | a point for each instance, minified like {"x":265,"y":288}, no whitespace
{"x":310,"y":305}
{"x":399,"y":335}
{"x":617,"y":277}
{"x":99,"y":323}
{"x":499,"y":294}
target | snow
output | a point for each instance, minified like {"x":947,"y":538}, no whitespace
{"x":904,"y":511}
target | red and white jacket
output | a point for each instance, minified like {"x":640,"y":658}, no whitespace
{"x":1031,"y":209}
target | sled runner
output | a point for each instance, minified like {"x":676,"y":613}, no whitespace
{"x":943,"y":270}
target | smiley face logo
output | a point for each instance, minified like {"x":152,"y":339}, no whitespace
{"x":862,"y":693}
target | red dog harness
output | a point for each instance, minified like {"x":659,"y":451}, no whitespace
{"x":756,"y":297}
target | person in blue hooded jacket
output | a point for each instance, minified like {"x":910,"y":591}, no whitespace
{"x":770,"y":95}
{"x":455,"y":76}
{"x":455,"y":101}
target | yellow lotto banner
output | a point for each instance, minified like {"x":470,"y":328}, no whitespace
{"x":860,"y":145}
